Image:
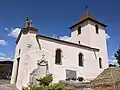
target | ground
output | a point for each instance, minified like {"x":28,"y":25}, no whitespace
{"x":4,"y":82}
{"x":5,"y":85}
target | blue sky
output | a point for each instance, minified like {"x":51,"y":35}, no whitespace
{"x":53,"y":17}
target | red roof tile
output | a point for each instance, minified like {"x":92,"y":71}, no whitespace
{"x":87,"y":16}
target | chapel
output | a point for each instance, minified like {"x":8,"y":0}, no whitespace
{"x":83,"y":55}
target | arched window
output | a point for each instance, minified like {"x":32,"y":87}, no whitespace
{"x":80,"y":58}
{"x":97,"y":29}
{"x":79,"y":30}
{"x":79,"y":42}
{"x":58,"y":56}
{"x":100,"y":62}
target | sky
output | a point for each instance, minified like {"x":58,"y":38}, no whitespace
{"x":53,"y":18}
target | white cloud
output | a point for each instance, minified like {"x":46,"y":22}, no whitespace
{"x":3,"y":42}
{"x":113,"y":60}
{"x":55,"y":36}
{"x":6,"y":29}
{"x":15,"y":32}
{"x":2,"y":54}
{"x":107,"y":36}
{"x":2,"y":58}
{"x":66,"y":38}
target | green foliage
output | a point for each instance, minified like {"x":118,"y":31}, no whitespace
{"x":45,"y":81}
{"x":34,"y":87}
{"x":52,"y":87}
{"x":45,"y":84}
{"x":58,"y":86}
{"x":117,"y":55}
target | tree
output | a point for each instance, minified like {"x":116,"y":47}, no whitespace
{"x":117,"y":55}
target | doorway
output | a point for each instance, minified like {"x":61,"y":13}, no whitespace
{"x":17,"y":69}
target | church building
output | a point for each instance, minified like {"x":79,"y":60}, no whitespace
{"x":84,"y":55}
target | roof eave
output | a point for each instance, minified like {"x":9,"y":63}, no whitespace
{"x":85,"y":20}
{"x":84,"y":46}
{"x":17,"y":40}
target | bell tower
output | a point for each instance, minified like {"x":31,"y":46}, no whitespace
{"x":91,"y":32}
{"x":87,"y":29}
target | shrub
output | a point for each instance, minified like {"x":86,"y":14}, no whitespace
{"x":33,"y":87}
{"x":58,"y":86}
{"x":45,"y":81}
{"x":44,"y":84}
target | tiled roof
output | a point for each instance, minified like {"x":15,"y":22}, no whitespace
{"x":85,"y":17}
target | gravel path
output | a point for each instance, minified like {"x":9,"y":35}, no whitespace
{"x":4,"y":81}
{"x":5,"y":85}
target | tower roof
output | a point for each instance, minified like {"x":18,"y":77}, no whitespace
{"x":87,"y":16}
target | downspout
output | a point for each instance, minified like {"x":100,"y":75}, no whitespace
{"x":95,"y":54}
{"x":38,"y":42}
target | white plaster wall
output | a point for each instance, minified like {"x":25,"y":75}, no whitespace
{"x":84,"y":36}
{"x":99,"y":41}
{"x":70,"y":60}
{"x":22,"y":44}
{"x":25,"y":60}
{"x":90,"y":38}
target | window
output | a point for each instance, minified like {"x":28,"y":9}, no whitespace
{"x":100,"y":62}
{"x":58,"y":56}
{"x":19,"y":51}
{"x":97,"y":29}
{"x":80,"y":57}
{"x":79,"y":30}
{"x":79,"y":42}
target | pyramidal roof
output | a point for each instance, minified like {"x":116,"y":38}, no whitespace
{"x":85,"y":17}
